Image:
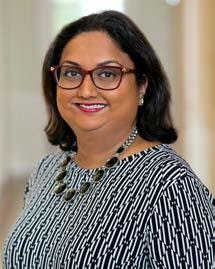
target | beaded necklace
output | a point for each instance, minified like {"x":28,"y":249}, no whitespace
{"x":61,"y":182}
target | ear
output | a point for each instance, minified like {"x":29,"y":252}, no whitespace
{"x":143,"y":88}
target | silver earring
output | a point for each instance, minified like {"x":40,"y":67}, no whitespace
{"x":141,"y":101}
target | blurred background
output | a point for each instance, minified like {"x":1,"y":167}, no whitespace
{"x":183,"y":35}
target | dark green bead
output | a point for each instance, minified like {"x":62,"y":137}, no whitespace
{"x":66,"y":161}
{"x":60,"y":176}
{"x":60,"y":188}
{"x":120,"y":150}
{"x":84,"y":188}
{"x":111,"y":162}
{"x":98,"y":175}
{"x":69,"y":194}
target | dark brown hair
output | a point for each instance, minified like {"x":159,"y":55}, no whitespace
{"x":154,"y":121}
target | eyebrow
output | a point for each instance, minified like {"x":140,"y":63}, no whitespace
{"x":98,"y":65}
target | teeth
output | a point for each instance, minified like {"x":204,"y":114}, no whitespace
{"x":92,"y":106}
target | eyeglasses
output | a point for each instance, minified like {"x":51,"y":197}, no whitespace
{"x":105,"y":77}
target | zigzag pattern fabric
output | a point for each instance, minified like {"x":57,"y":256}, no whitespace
{"x":150,"y":211}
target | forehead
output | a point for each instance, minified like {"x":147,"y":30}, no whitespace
{"x":91,"y":48}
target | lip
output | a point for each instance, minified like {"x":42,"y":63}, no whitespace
{"x":91,"y":109}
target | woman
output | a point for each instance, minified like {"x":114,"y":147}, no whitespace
{"x":116,"y":196}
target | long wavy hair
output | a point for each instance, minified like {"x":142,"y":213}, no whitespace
{"x":154,"y":121}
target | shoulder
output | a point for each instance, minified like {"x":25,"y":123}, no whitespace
{"x":48,"y":164}
{"x":43,"y":172}
{"x":49,"y":160}
{"x":163,"y":160}
{"x":167,"y":170}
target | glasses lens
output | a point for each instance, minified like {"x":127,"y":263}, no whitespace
{"x":69,"y":76}
{"x":107,"y":77}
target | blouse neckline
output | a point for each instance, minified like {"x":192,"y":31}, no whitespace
{"x":128,"y":158}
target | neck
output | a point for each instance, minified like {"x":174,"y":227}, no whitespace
{"x":96,"y":147}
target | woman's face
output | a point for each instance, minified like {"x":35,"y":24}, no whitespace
{"x":88,"y":108}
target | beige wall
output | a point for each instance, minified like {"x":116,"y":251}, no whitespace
{"x":183,"y":37}
{"x":25,"y":34}
{"x":198,"y":77}
{"x":2,"y":97}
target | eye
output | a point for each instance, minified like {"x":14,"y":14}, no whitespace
{"x":70,"y":72}
{"x":108,"y":73}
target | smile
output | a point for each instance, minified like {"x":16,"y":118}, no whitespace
{"x":91,"y":107}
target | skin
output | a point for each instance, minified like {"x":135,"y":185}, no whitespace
{"x":100,"y":134}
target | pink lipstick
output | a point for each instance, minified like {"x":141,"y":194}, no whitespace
{"x":90,"y":108}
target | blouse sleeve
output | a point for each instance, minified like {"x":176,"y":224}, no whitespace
{"x":180,"y":228}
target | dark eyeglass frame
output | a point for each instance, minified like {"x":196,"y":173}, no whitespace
{"x":123,"y":70}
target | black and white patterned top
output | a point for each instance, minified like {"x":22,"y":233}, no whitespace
{"x":151,"y":211}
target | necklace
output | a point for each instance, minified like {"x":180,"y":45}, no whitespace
{"x":99,"y":174}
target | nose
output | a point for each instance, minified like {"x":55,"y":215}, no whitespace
{"x":87,"y":89}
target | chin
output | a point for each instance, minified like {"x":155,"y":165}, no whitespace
{"x":86,"y":126}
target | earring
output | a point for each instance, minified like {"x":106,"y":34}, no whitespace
{"x":141,"y":101}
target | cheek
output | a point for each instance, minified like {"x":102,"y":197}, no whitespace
{"x":125,"y":101}
{"x":128,"y":95}
{"x":63,"y":103}
{"x":130,"y":100}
